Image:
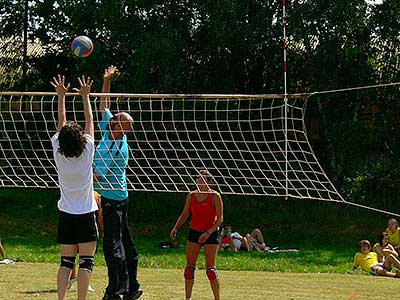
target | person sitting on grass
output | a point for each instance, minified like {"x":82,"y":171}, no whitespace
{"x":368,"y":261}
{"x":383,"y":248}
{"x":229,"y":240}
{"x":225,"y":239}
{"x":393,"y":231}
{"x":255,"y":241}
{"x":235,"y":241}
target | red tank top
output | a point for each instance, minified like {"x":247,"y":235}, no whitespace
{"x":203,"y":213}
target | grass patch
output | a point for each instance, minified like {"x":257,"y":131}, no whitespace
{"x":307,"y":260}
{"x":326,"y":234}
{"x":38,"y":281}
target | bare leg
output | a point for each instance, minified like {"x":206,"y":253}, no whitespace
{"x":210,"y":252}
{"x":248,"y":242}
{"x":258,"y":237}
{"x":392,"y":260}
{"x":384,"y":272}
{"x":192,"y":252}
{"x":2,"y":252}
{"x":64,"y":273}
{"x":232,"y":245}
{"x":85,"y":249}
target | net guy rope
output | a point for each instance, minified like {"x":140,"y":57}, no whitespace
{"x":243,"y":140}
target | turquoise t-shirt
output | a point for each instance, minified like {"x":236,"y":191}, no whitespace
{"x":110,"y":162}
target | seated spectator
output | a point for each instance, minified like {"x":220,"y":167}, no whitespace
{"x":255,"y":241}
{"x":368,"y":261}
{"x":383,"y":248}
{"x":238,"y":242}
{"x":225,"y":240}
{"x":235,"y":241}
{"x":394,"y":234}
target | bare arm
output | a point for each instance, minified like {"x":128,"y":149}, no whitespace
{"x":378,"y":250}
{"x":182,"y":218}
{"x":61,"y":89}
{"x":84,"y":91}
{"x":219,"y":210}
{"x":389,"y":249}
{"x":109,"y":73}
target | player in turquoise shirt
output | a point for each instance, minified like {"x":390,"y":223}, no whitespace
{"x":110,"y":162}
{"x":111,"y":159}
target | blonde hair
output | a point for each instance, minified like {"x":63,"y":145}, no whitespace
{"x":393,"y":220}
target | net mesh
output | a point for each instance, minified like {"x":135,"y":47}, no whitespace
{"x":243,"y":140}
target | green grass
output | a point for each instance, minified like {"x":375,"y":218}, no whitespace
{"x":24,"y":281}
{"x":307,"y":260}
{"x":326,"y":234}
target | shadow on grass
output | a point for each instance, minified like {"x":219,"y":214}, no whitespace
{"x":52,"y":291}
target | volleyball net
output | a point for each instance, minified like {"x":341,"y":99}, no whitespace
{"x":243,"y":140}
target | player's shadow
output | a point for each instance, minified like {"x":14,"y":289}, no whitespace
{"x":52,"y":291}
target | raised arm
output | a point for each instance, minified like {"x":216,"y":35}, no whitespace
{"x":182,"y":218}
{"x":84,"y":91}
{"x":61,"y":89}
{"x":109,"y":73}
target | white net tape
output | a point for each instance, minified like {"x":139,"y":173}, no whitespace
{"x":240,"y":139}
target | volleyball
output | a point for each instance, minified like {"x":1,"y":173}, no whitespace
{"x":82,"y":46}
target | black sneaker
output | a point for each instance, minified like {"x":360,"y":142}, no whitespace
{"x":134,"y":295}
{"x":111,"y":297}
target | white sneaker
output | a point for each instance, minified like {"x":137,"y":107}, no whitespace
{"x":70,"y":283}
{"x":90,"y":289}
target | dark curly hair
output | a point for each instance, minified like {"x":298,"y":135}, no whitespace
{"x":71,"y":140}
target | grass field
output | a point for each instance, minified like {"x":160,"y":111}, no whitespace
{"x":38,"y":281}
{"x":326,"y":234}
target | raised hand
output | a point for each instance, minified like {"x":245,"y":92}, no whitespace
{"x":110,"y":72}
{"x":59,"y":84}
{"x":86,"y":85}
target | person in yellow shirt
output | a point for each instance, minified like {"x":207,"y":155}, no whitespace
{"x":368,"y":261}
{"x":394,"y":233}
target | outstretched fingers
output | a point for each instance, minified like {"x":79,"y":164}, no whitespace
{"x":110,"y":72}
{"x":85,"y":85}
{"x":59,"y":84}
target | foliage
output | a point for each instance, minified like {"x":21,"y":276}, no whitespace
{"x":206,"y":46}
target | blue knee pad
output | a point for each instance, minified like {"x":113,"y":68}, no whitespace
{"x":86,"y":263}
{"x":68,"y":262}
{"x":189,"y":272}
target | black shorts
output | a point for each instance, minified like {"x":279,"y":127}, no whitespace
{"x":194,"y":237}
{"x":75,"y":229}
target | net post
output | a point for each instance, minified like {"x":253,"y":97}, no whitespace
{"x":285,"y":98}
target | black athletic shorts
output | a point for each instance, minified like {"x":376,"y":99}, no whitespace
{"x":194,"y":237}
{"x":75,"y":229}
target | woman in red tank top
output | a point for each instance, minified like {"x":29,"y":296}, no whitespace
{"x":206,"y":207}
